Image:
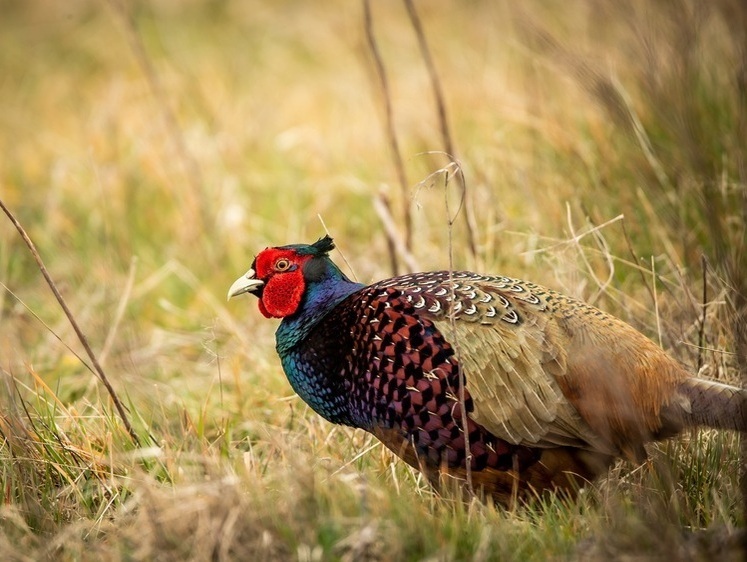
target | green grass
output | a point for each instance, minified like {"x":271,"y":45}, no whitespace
{"x":143,"y":222}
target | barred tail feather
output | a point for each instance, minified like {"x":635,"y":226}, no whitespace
{"x":714,"y":405}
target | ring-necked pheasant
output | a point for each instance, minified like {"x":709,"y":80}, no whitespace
{"x":555,"y":389}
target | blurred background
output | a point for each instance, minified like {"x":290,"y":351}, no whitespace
{"x":150,"y":149}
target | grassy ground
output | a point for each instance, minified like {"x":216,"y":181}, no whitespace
{"x":151,"y":148}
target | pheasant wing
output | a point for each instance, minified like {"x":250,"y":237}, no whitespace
{"x":509,"y":351}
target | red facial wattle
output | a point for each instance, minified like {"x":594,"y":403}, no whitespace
{"x":283,"y":290}
{"x":282,"y":294}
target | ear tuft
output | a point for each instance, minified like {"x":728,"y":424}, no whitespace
{"x":324,"y":245}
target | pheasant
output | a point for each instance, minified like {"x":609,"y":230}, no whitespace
{"x":520,"y":386}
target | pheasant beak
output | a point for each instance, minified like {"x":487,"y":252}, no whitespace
{"x":247,"y":283}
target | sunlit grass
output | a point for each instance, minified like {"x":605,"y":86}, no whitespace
{"x":276,"y":106}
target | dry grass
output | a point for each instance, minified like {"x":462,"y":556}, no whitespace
{"x":146,"y":201}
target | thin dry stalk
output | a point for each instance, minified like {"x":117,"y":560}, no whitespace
{"x":604,"y":250}
{"x":438,"y":95}
{"x":81,"y":336}
{"x":656,"y":299}
{"x":391,"y":133}
{"x":339,"y":251}
{"x":397,"y":244}
{"x":704,"y":308}
{"x":46,"y":326}
{"x":443,"y":121}
{"x":450,"y":219}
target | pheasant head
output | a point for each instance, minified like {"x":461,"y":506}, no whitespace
{"x":289,"y":280}
{"x":300,"y":285}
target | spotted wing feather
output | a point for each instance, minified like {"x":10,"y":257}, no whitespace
{"x":511,"y":356}
{"x":401,"y":381}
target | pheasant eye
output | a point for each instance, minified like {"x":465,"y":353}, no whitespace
{"x":282,"y":264}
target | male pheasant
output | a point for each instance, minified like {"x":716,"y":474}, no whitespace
{"x":554,"y":389}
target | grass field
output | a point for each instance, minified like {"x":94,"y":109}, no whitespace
{"x":150,"y":149}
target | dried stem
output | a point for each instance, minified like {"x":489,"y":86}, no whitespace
{"x":656,"y":299}
{"x":443,"y":121}
{"x":704,"y":306}
{"x":339,"y":251}
{"x":399,"y":165}
{"x":394,"y":239}
{"x":438,"y":95}
{"x":97,"y":367}
{"x":450,"y":219}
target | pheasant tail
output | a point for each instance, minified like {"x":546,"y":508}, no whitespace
{"x":714,"y":405}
